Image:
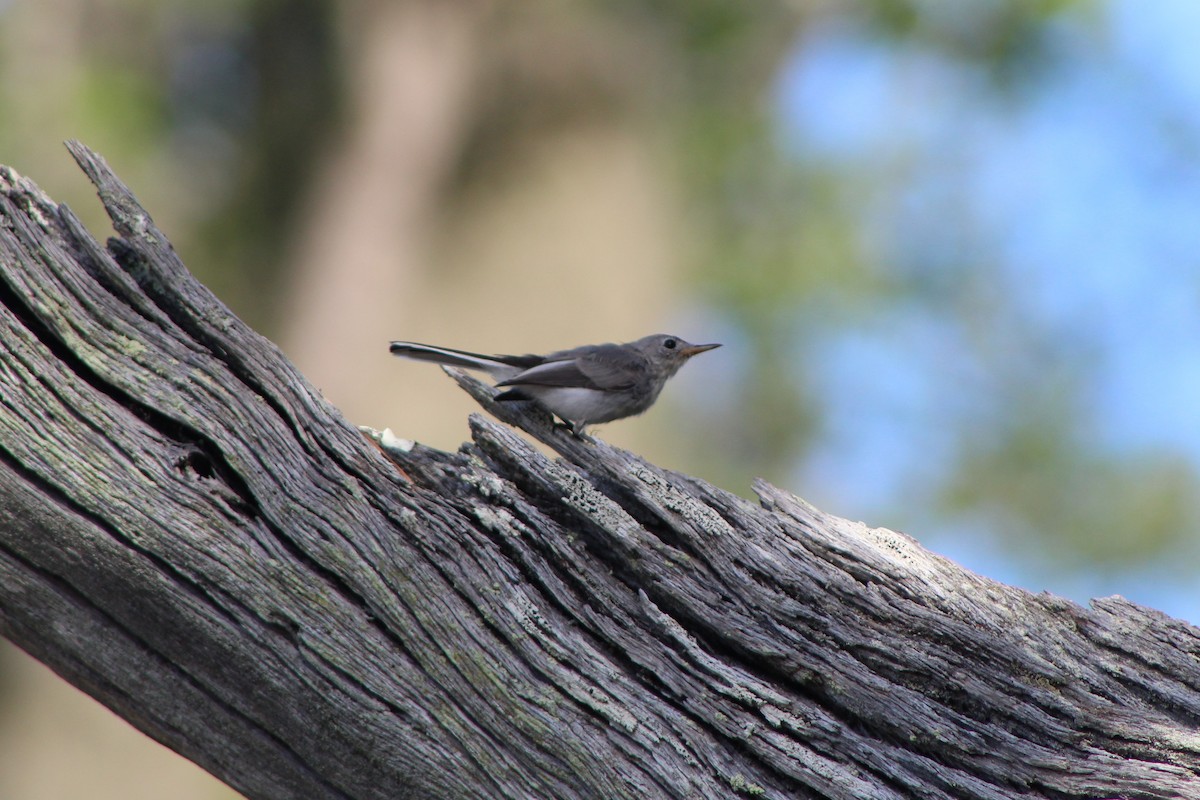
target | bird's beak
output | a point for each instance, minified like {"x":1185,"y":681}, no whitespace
{"x":697,"y":349}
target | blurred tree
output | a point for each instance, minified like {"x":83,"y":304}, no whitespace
{"x":873,"y":231}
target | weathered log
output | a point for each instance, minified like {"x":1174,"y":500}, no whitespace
{"x":189,"y":533}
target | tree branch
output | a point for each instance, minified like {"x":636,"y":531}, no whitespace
{"x":189,"y":533}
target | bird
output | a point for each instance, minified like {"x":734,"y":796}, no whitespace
{"x":582,"y":386}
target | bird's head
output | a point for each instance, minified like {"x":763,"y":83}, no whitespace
{"x":668,"y":353}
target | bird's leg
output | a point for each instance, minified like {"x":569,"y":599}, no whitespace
{"x":576,"y":428}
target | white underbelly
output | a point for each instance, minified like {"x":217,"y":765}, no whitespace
{"x":571,"y":403}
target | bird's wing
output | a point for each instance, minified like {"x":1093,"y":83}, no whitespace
{"x":605,"y":368}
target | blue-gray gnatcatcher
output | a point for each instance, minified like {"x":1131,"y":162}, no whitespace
{"x":585,"y":385}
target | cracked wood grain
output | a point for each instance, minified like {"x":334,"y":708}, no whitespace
{"x":192,"y":535}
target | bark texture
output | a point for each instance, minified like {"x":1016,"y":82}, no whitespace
{"x":189,"y":533}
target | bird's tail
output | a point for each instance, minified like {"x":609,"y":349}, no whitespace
{"x":454,"y":358}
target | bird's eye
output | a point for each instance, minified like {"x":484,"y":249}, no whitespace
{"x":670,"y":344}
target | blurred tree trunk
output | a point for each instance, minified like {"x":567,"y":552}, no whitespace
{"x":364,"y":236}
{"x":190,"y":534}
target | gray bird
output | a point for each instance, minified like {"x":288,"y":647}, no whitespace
{"x":585,"y":385}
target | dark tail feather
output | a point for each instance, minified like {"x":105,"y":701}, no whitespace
{"x":443,"y":355}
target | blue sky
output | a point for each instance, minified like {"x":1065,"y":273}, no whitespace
{"x":1083,"y":190}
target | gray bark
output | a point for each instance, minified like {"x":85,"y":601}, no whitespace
{"x":189,"y":533}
